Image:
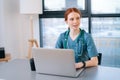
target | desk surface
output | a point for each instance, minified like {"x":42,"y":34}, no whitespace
{"x":19,"y":69}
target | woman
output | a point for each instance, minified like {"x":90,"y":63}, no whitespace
{"x":78,"y":40}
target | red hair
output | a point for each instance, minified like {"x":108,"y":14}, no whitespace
{"x":68,"y":11}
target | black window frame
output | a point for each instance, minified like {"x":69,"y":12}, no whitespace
{"x":60,"y":14}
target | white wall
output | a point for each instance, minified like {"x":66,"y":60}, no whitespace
{"x":15,"y":29}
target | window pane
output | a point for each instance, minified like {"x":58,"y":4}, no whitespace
{"x":106,"y":34}
{"x":54,"y":27}
{"x":81,"y":4}
{"x":105,"y":6}
{"x":60,"y":5}
{"x":106,"y":27}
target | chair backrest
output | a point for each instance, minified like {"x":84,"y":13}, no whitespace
{"x":99,"y":58}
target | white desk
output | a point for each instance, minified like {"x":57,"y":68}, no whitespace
{"x":19,"y":69}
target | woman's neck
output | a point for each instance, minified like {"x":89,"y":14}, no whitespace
{"x":74,"y":33}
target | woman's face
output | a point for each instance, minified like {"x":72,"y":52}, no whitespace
{"x":73,"y":20}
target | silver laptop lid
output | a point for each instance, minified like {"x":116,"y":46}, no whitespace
{"x":54,"y":61}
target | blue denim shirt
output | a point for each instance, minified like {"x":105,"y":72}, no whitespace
{"x":84,"y":47}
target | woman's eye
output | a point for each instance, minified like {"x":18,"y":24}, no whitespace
{"x":77,"y":18}
{"x":71,"y":19}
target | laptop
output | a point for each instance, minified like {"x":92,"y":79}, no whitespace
{"x":60,"y":62}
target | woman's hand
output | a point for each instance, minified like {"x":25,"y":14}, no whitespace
{"x":78,"y":65}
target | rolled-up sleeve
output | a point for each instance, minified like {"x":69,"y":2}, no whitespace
{"x":91,"y":48}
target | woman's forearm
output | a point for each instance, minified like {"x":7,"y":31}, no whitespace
{"x":92,"y":62}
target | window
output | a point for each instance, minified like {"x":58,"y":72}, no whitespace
{"x":99,"y":18}
{"x":106,"y":27}
{"x":61,"y":5}
{"x":105,"y":22}
{"x":105,"y":6}
{"x":106,"y":33}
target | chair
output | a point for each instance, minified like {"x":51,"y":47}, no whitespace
{"x":32,"y":65}
{"x":99,"y":58}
